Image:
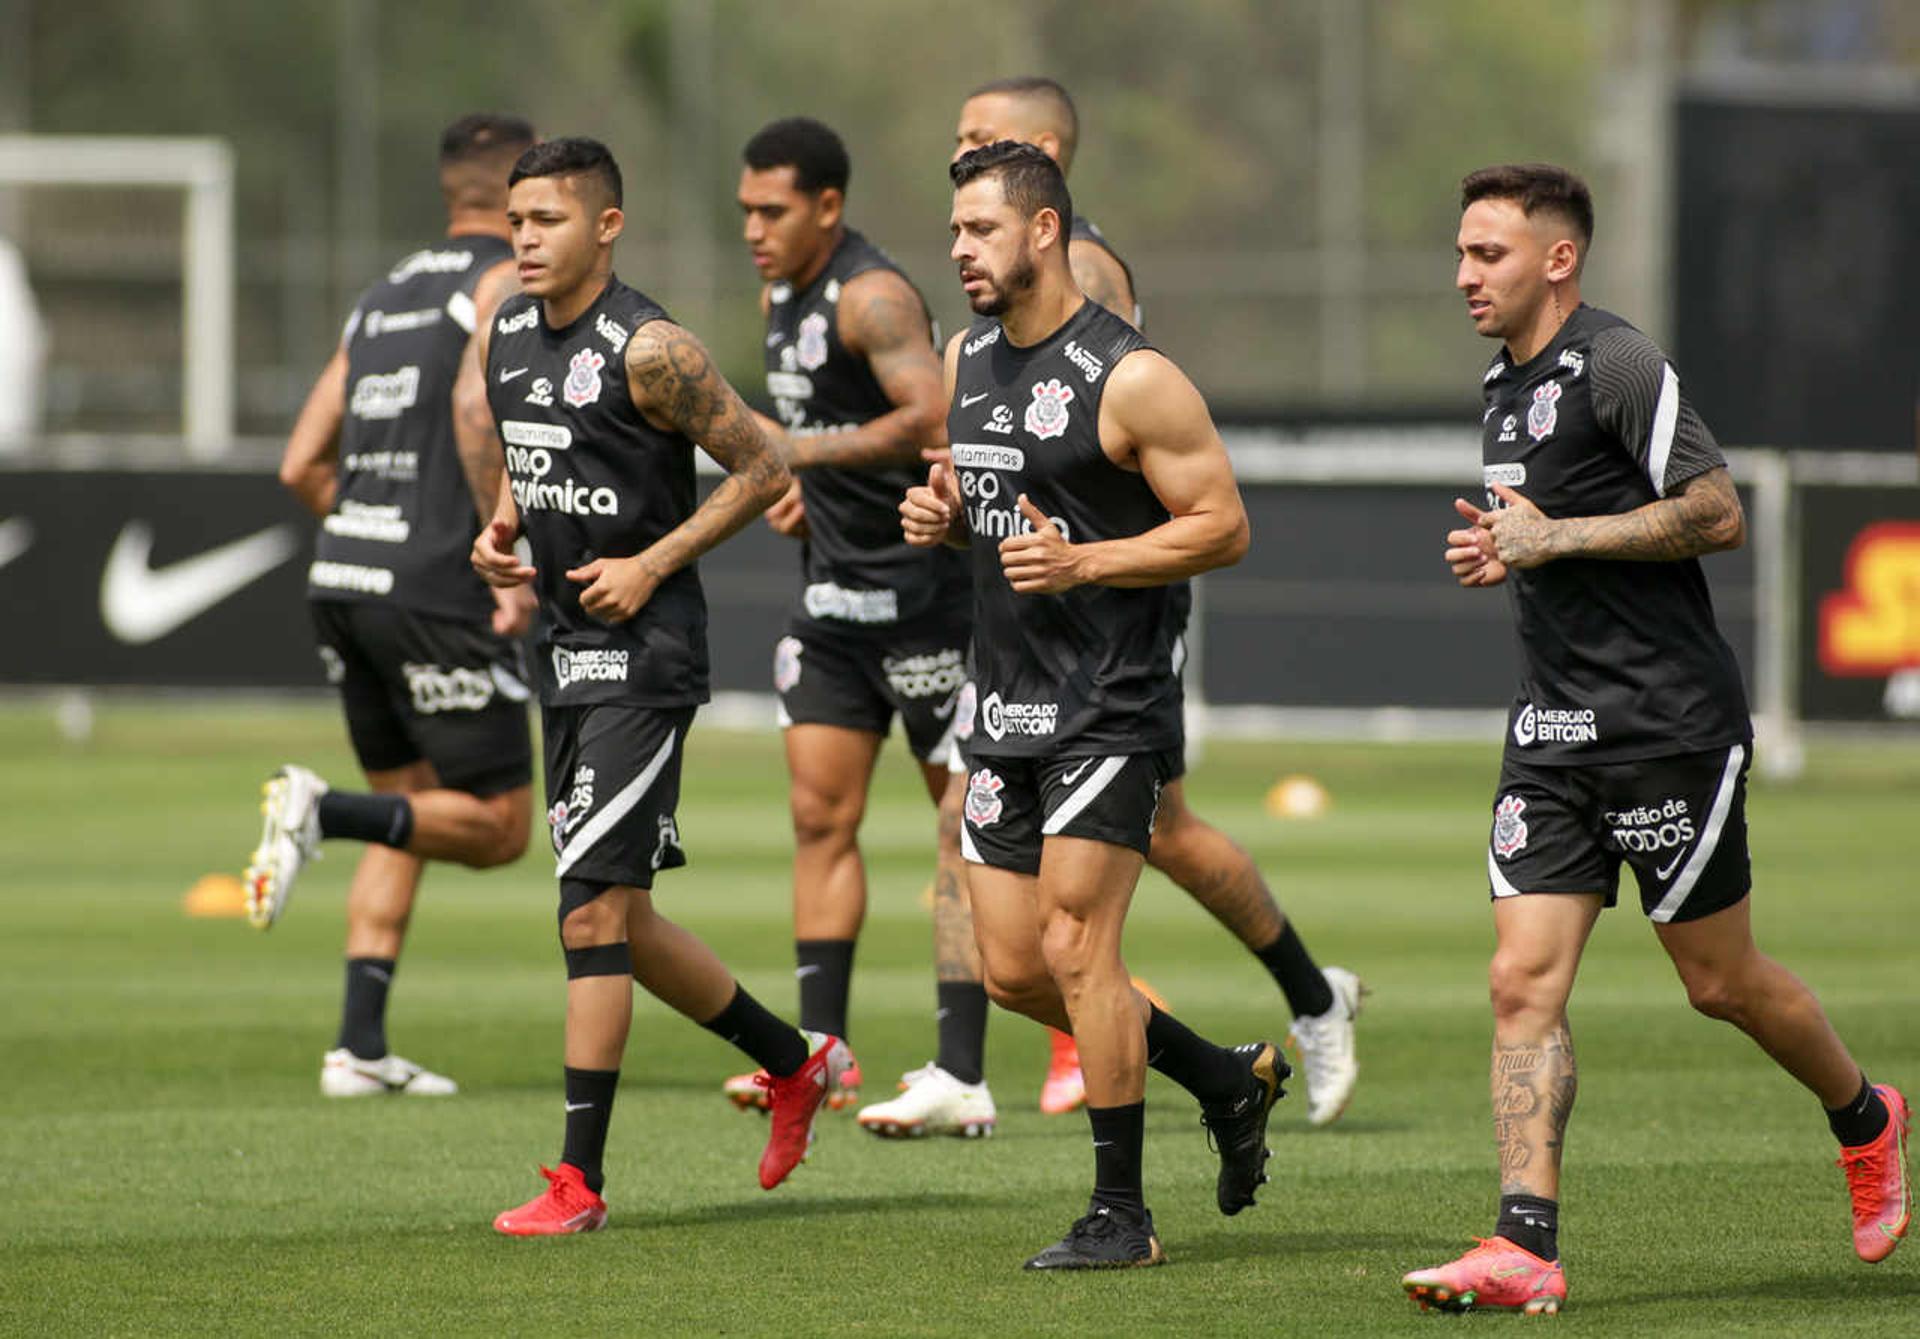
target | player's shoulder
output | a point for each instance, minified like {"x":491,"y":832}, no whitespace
{"x":1618,"y":352}
{"x":517,"y":312}
{"x":977,"y":338}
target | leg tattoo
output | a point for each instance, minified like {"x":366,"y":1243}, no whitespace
{"x":1533,"y":1090}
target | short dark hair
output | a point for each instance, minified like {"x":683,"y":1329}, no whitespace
{"x":1536,"y":188}
{"x":1039,"y":88}
{"x":484,"y":135}
{"x":571,"y":156}
{"x":1031,"y":180}
{"x":809,"y":147}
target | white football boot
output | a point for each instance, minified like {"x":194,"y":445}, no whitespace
{"x":1325,"y":1046}
{"x":289,"y":838}
{"x":932,"y":1102}
{"x":344,"y":1074}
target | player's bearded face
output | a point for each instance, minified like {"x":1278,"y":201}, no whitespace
{"x":991,"y":248}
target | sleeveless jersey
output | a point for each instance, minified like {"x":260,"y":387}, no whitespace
{"x":593,"y":479}
{"x":1092,"y":670}
{"x":1619,"y":660}
{"x":403,"y":520}
{"x":857,"y":572}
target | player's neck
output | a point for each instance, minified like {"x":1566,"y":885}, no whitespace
{"x":1562,"y":301}
{"x":818,"y":263}
{"x":478,"y":223}
{"x":563,"y":310}
{"x":1051,"y":305}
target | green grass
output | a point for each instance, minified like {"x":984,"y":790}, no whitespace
{"x":166,"y":1165}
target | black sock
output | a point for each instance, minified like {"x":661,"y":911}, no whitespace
{"x":386,"y":819}
{"x":1307,"y":991}
{"x":1209,"y":1072}
{"x":962,"y":1017}
{"x":775,"y":1046}
{"x":1118,"y":1134}
{"x":1531,"y":1223}
{"x":589,"y":1109}
{"x":1861,"y":1120}
{"x":825,"y":971}
{"x":363,"y":1016}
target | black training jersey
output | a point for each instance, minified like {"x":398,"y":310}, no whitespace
{"x":1085,"y":231}
{"x":1093,"y":670}
{"x":403,"y":519}
{"x":593,"y":479}
{"x":1619,"y":660}
{"x":857,"y":572}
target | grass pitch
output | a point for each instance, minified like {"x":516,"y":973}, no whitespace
{"x":167,"y":1166}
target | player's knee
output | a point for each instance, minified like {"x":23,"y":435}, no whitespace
{"x":1714,"y":993}
{"x":589,"y":916}
{"x":1066,"y":943}
{"x":821,"y":818}
{"x":508,"y":826}
{"x":1519,"y":984}
{"x":1021,"y":989}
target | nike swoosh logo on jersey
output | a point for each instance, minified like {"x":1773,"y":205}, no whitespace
{"x":966,"y":400}
{"x":1666,"y":870}
{"x":141,"y":604}
{"x":505,"y":377}
{"x":1074,"y":775}
{"x":16,"y":537}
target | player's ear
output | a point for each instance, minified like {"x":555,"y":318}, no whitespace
{"x":612,"y":221}
{"x":1044,"y":228}
{"x":1563,"y":260}
{"x":828,"y":207}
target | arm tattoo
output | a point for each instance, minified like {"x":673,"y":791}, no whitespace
{"x":1533,"y":1091}
{"x":890,"y":329}
{"x":1100,"y":278}
{"x":1704,"y":516}
{"x":672,"y":378}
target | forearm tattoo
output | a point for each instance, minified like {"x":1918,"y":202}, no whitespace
{"x":1704,"y":517}
{"x":670,"y":373}
{"x":1533,"y":1091}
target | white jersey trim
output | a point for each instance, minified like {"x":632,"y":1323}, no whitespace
{"x":1710,"y":839}
{"x":617,"y":808}
{"x":460,"y":307}
{"x":1088,"y":791}
{"x":1666,"y":417}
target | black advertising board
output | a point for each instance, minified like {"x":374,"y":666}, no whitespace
{"x":1860,"y":603}
{"x":1794,"y":287}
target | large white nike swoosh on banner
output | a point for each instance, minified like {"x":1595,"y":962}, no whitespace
{"x":141,"y":604}
{"x":16,"y":537}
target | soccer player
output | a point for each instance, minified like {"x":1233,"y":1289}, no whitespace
{"x":599,"y":398}
{"x":880,"y":627}
{"x":1209,"y":865}
{"x":424,"y":655}
{"x":1087,"y":477}
{"x":1629,"y":738}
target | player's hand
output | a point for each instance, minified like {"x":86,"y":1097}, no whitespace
{"x":1522,"y":533}
{"x":1040,"y":563}
{"x":928,"y":511}
{"x":513,"y":608}
{"x":616,"y":588}
{"x":937,"y":455}
{"x":788,"y":516}
{"x":1470,"y":552}
{"x":494,"y":559}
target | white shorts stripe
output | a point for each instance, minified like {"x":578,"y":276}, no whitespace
{"x":1089,"y":790}
{"x":1498,"y":881}
{"x":1703,"y":853}
{"x":617,"y":808}
{"x":1666,"y":417}
{"x":968,"y":851}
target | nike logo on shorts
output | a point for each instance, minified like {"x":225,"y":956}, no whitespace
{"x":1665,"y":872}
{"x":1069,"y":778}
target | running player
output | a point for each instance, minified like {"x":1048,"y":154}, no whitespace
{"x":425,"y":657}
{"x":1629,"y":739}
{"x":1087,"y":478}
{"x":600,"y":398}
{"x":1209,"y":865}
{"x":879,"y":627}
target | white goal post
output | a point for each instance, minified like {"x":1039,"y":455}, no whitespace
{"x":203,"y":169}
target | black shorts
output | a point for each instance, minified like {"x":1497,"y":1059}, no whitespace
{"x":968,"y":707}
{"x":613,"y":783}
{"x":1680,"y":821}
{"x":860,"y":680}
{"x":1015,"y":804}
{"x":418,"y":687}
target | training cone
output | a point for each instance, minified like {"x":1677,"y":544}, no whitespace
{"x":215,"y":896}
{"x":1297,"y":797}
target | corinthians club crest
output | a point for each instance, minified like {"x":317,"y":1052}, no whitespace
{"x":984,"y":804}
{"x":1544,"y":413}
{"x":1047,"y":415}
{"x":1509,"y":829}
{"x":583,"y":377}
{"x":812,"y":344}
